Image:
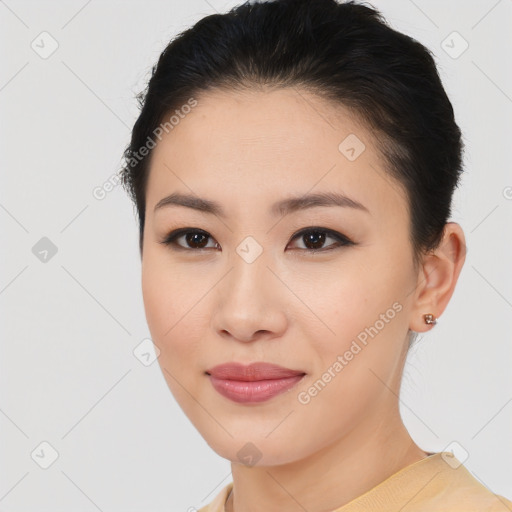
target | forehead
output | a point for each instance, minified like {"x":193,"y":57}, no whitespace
{"x":250,"y":147}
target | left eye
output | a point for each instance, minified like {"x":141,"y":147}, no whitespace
{"x":313,"y":238}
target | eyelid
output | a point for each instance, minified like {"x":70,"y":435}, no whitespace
{"x":342,"y":239}
{"x":330,"y":232}
{"x":170,"y":238}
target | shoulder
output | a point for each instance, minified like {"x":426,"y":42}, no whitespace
{"x":501,"y":504}
{"x":437,"y":483}
{"x":217,"y":505}
{"x":456,"y":487}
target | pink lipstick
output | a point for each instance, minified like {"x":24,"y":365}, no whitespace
{"x":256,"y":382}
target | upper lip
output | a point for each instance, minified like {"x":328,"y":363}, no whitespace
{"x":252,"y":372}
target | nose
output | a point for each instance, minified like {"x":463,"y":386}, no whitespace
{"x":250,"y":302}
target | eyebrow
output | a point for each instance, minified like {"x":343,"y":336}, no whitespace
{"x":282,"y":207}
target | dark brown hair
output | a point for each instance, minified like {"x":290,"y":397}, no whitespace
{"x":344,"y":52}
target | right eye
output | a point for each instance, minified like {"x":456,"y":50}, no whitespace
{"x":196,"y":239}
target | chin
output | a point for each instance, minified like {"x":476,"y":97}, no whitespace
{"x":254,"y":451}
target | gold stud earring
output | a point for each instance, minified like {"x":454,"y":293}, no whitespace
{"x":430,"y":319}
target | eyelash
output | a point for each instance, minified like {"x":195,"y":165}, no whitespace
{"x":342,"y":240}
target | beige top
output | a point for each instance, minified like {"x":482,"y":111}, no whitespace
{"x":437,"y":483}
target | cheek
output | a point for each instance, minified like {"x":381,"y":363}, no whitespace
{"x":166,"y":287}
{"x":167,"y":304}
{"x":165,"y":297}
{"x":351,"y":364}
{"x":157,"y":293}
{"x":362,"y":302}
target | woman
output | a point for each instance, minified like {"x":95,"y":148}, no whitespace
{"x":293,"y":167}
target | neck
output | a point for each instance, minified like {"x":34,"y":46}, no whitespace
{"x":330,"y":478}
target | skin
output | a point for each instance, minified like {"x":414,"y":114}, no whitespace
{"x":289,"y":307}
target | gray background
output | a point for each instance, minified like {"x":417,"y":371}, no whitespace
{"x":70,"y":324}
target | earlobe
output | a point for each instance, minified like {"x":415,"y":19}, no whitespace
{"x":438,"y":277}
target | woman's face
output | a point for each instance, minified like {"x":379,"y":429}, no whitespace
{"x":253,"y":291}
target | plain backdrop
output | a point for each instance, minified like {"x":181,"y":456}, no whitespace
{"x":84,"y":424}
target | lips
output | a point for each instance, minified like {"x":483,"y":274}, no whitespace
{"x":252,"y":372}
{"x":254,"y":383}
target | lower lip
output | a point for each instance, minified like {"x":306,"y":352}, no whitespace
{"x":253,"y":391}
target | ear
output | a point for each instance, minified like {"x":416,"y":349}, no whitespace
{"x":437,"y":277}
